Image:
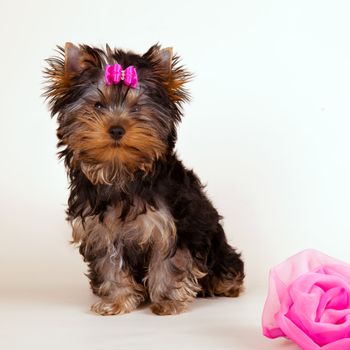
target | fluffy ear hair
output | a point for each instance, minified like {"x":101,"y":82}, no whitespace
{"x":173,"y":76}
{"x":63,"y":69}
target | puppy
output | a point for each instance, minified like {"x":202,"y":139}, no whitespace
{"x":142,"y":221}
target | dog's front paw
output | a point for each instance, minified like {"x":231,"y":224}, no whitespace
{"x":118,"y":306}
{"x":108,"y":309}
{"x":168,"y":307}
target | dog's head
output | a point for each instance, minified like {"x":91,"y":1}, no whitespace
{"x":117,"y":111}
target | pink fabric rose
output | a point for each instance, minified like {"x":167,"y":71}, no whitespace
{"x":309,"y":302}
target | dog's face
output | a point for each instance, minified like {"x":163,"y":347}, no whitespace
{"x":112,"y":131}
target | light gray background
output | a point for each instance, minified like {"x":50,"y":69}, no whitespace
{"x":267,"y":130}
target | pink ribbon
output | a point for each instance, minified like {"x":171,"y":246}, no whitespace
{"x":114,"y":73}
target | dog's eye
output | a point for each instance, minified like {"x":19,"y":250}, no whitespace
{"x":135,"y":109}
{"x":99,"y":105}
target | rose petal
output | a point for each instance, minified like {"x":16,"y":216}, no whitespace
{"x":336,"y":317}
{"x":338,"y":269}
{"x":295,"y":333}
{"x":333,"y":299}
{"x":342,"y":344}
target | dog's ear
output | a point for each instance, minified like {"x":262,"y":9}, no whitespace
{"x":161,"y":59}
{"x":165,"y":57}
{"x":72,"y":58}
{"x":64,"y":69}
{"x":173,"y":76}
{"x":79,"y":58}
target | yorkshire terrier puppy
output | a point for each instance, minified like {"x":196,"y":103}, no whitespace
{"x":142,"y":221}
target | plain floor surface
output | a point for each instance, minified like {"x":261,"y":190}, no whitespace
{"x":60,"y":319}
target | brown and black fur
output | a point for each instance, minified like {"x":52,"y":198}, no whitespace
{"x":141,"y":219}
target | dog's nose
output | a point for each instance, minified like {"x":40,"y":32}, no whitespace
{"x":116,"y":132}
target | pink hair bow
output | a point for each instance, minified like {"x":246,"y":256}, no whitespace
{"x":114,"y":73}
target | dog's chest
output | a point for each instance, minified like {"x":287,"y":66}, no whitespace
{"x":144,"y":225}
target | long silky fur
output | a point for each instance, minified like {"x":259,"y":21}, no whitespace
{"x":198,"y":227}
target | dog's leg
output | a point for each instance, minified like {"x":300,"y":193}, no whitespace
{"x":226,"y":272}
{"x":119,"y":291}
{"x":172,"y":282}
{"x":227,"y":279}
{"x":110,"y":276}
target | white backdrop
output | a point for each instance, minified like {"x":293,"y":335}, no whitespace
{"x":267,"y":129}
